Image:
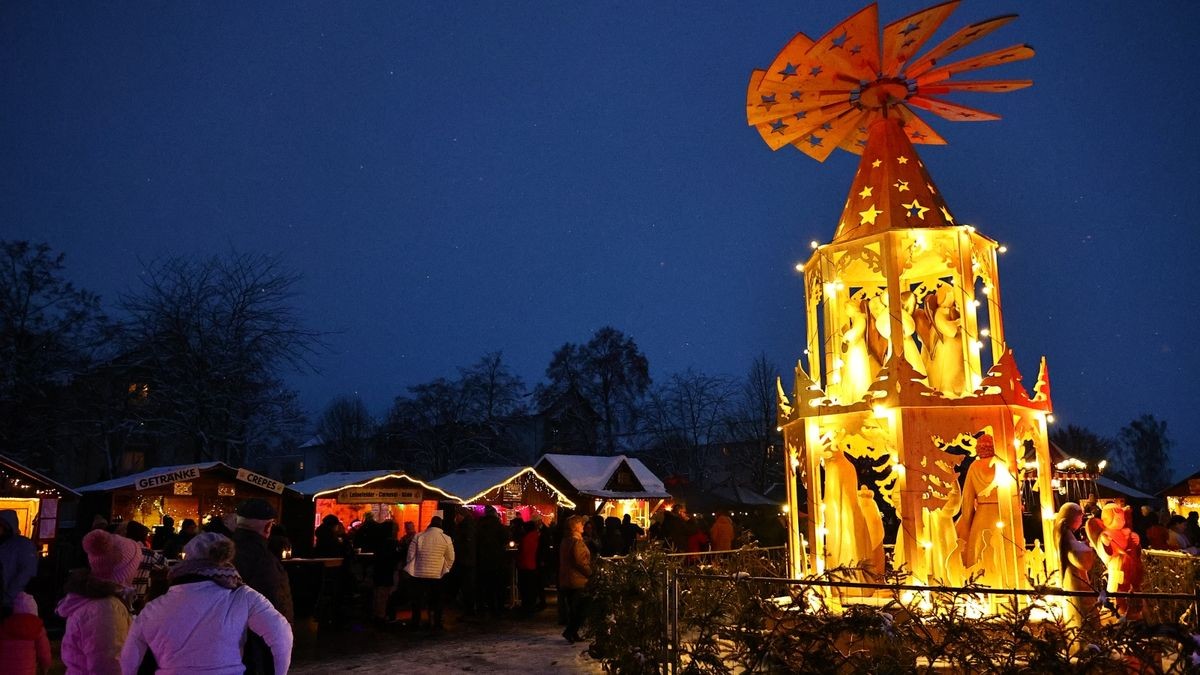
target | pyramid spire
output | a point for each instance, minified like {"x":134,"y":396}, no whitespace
{"x":892,"y":189}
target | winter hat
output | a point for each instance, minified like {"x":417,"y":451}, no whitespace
{"x":112,"y":557}
{"x":210,"y":546}
{"x":24,"y":604}
{"x":209,"y":556}
{"x":257,"y":509}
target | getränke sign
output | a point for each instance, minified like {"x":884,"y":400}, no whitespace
{"x":367,"y":495}
{"x":167,"y":477}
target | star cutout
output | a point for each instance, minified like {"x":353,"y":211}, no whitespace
{"x":866,"y":192}
{"x":917,"y":135}
{"x":915,"y":209}
{"x":869,"y":215}
{"x":861,"y":142}
{"x":788,"y":70}
{"x":797,"y":95}
{"x":778,"y":126}
{"x":910,"y":28}
{"x":840,"y":40}
{"x":902,"y":159}
{"x":768,"y":100}
{"x":826,"y":126}
{"x":946,"y":214}
{"x":901,"y":186}
{"x":815,"y":71}
{"x":814,"y":141}
{"x":876,"y":163}
{"x":801,"y":115}
{"x":856,"y":49}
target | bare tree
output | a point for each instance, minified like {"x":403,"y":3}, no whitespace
{"x":50,"y":331}
{"x":348,"y":430}
{"x":685,"y":421}
{"x":754,"y":438}
{"x":1083,"y":444}
{"x":611,"y":372}
{"x":210,"y":339}
{"x":1145,"y":452}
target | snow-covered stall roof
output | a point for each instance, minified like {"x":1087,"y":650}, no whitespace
{"x":132,"y":479}
{"x":7,"y":464}
{"x":590,"y":475}
{"x":471,"y":484}
{"x":339,"y":480}
{"x":1121,"y":488}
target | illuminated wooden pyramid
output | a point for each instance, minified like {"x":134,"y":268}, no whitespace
{"x":908,"y":402}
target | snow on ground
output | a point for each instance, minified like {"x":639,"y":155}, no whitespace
{"x":507,"y":645}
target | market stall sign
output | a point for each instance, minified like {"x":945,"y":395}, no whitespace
{"x":380,"y":496}
{"x":167,"y":477}
{"x":260,"y":480}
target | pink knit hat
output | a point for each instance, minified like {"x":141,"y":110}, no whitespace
{"x":112,"y":557}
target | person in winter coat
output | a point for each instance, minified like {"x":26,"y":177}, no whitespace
{"x":96,"y":606}
{"x":386,"y":548}
{"x":24,"y":645}
{"x":261,"y":570}
{"x":18,"y":559}
{"x":197,"y":626}
{"x":721,"y":533}
{"x":493,"y":566}
{"x":574,"y":568}
{"x":430,"y":557}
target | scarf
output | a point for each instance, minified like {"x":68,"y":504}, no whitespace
{"x":225,"y":575}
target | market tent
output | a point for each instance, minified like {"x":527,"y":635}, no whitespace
{"x":34,"y":497}
{"x":606,"y":486}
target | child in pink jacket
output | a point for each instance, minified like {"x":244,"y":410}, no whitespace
{"x":24,"y":645}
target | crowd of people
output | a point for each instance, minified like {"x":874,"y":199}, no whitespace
{"x":216,"y":596}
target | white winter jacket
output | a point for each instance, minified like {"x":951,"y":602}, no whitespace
{"x":430,"y":555}
{"x":200,"y":627}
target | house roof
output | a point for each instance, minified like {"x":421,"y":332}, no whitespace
{"x":471,"y":484}
{"x":15,"y":467}
{"x":590,"y":474}
{"x":338,"y":480}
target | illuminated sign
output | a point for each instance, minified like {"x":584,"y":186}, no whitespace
{"x":368,"y":495}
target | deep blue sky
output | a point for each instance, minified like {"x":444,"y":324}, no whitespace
{"x":458,"y":178}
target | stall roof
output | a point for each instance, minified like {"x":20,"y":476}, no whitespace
{"x":589,"y":474}
{"x":15,"y":467}
{"x":471,"y":484}
{"x":1187,"y":486}
{"x":1121,"y":488}
{"x":339,"y":480}
{"x":131,"y":480}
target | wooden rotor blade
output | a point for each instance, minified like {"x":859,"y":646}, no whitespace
{"x":952,"y":111}
{"x":851,"y":47}
{"x":786,"y":130}
{"x":985,"y":86}
{"x":916,"y":129}
{"x":961,"y":38}
{"x":793,"y":52}
{"x":821,"y":141}
{"x":996,"y":58}
{"x":903,"y":39}
{"x":770,"y":101}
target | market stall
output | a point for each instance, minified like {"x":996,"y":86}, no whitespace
{"x":514,"y":491}
{"x":196,"y":491}
{"x":605,"y":486}
{"x":1183,"y":497}
{"x":350,"y":495}
{"x":35,"y":498}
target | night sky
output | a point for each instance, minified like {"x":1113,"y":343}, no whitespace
{"x":458,"y":178}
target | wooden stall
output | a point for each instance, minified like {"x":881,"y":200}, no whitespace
{"x":196,"y":491}
{"x":350,"y":495}
{"x":35,"y":498}
{"x":605,"y":486}
{"x":514,"y":491}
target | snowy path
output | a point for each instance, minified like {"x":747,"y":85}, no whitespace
{"x":506,"y":646}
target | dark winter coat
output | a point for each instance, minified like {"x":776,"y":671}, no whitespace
{"x":262,"y":571}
